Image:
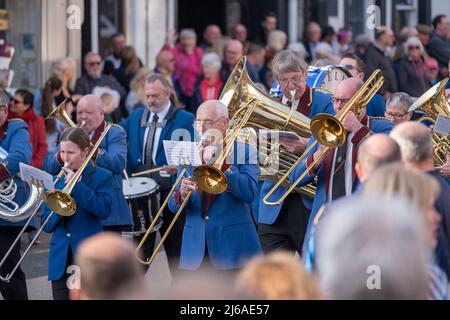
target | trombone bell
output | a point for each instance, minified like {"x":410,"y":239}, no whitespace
{"x":60,"y":202}
{"x":328,"y":130}
{"x":210,"y":179}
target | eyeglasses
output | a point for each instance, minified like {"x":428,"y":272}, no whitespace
{"x":94,"y":63}
{"x":414,"y":47}
{"x":337,"y":100}
{"x":206,"y":123}
{"x":16,"y":101}
{"x":395,"y":115}
{"x":294,"y":80}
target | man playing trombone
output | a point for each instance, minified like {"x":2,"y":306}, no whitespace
{"x":112,"y":156}
{"x":219,"y":230}
{"x":15,"y":142}
{"x":336,"y":168}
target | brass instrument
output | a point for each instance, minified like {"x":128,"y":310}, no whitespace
{"x":60,"y":113}
{"x":59,"y":201}
{"x":329,"y":131}
{"x":239,"y":92}
{"x":434,"y":103}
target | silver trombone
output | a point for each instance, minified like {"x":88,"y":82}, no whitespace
{"x":8,"y":277}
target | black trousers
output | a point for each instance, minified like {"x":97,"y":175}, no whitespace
{"x":288,"y":230}
{"x":60,"y":289}
{"x":16,"y":289}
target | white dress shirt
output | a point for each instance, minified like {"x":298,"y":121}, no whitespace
{"x":161,"y":116}
{"x":348,"y":167}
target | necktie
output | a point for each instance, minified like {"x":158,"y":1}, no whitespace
{"x":289,"y":103}
{"x":150,"y":140}
{"x":338,"y":188}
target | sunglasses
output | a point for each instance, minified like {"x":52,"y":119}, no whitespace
{"x":414,"y":47}
{"x":94,"y":63}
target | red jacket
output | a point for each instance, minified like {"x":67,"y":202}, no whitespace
{"x":38,"y":137}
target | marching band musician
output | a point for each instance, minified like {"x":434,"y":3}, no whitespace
{"x":283,"y":227}
{"x":336,"y":169}
{"x":219,"y":230}
{"x":112,"y":156}
{"x":14,"y":140}
{"x":146,"y":129}
{"x":93,"y":195}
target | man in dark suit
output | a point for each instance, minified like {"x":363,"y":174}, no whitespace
{"x":147,"y":128}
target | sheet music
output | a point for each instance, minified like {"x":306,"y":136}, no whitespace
{"x":442,"y":125}
{"x":182,"y":153}
{"x":29,"y":174}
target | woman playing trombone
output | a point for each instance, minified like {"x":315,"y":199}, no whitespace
{"x":92,"y":195}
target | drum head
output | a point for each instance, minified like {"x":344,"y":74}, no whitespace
{"x":138,"y":187}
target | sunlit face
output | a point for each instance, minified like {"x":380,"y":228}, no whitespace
{"x":396,"y":114}
{"x":93,"y":65}
{"x":17,"y":105}
{"x":210,"y":123}
{"x":210,"y":72}
{"x":71,"y":153}
{"x":350,"y":65}
{"x":157,"y":96}
{"x":90,"y":115}
{"x":294,"y":80}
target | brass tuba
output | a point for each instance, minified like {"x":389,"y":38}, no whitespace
{"x":434,"y":104}
{"x":239,"y":93}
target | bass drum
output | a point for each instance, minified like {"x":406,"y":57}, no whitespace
{"x":326,"y":79}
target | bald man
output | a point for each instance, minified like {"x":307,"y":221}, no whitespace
{"x":234,"y":50}
{"x":109,"y":270}
{"x":219,"y":230}
{"x":416,"y":144}
{"x":112,"y":156}
{"x":335,"y":171}
{"x":375,"y":151}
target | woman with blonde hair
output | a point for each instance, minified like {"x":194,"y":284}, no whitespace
{"x":136,"y":97}
{"x":393,"y":181}
{"x":277,"y":276}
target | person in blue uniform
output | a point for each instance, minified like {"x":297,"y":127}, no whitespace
{"x":93,"y":196}
{"x":283,"y":227}
{"x":219,"y":230}
{"x":146,"y":129}
{"x":15,"y":141}
{"x":112,"y":156}
{"x":336,"y":169}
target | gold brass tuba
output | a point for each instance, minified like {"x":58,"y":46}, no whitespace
{"x":60,"y":113}
{"x":434,"y":104}
{"x":238,"y":94}
{"x":329,"y":131}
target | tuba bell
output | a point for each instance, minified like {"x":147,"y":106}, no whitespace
{"x":434,"y":104}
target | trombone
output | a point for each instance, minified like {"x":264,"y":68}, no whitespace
{"x":329,"y":131}
{"x":59,"y":201}
{"x":209,"y":178}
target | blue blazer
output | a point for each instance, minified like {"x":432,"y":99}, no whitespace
{"x":136,"y":132}
{"x":376,"y":106}
{"x":93,"y":196}
{"x":321,"y":103}
{"x":324,"y":171}
{"x":17,"y":143}
{"x":112,"y":156}
{"x":228,"y":231}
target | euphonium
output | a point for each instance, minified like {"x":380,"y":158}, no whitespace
{"x":434,"y":104}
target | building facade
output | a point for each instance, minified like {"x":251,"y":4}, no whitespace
{"x":44,"y":30}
